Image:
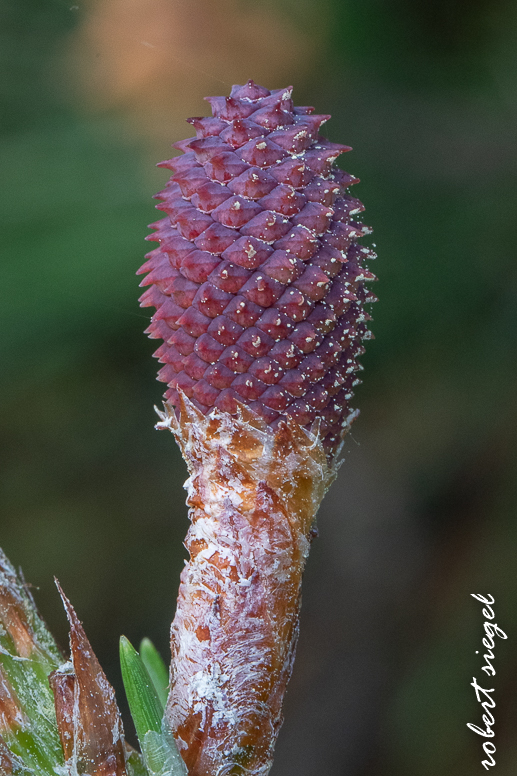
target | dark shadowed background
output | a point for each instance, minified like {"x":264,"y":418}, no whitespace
{"x":423,"y":513}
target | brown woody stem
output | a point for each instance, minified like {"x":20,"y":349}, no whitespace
{"x":253,"y":495}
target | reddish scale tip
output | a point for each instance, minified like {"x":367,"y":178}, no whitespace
{"x":258,"y":280}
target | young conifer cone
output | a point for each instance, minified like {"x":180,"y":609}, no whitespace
{"x":258,"y":285}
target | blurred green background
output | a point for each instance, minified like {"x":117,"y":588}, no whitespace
{"x":423,"y":513}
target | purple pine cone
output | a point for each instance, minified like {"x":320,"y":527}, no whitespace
{"x":258,"y":281}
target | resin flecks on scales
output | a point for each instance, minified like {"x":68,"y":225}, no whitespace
{"x":258,"y":281}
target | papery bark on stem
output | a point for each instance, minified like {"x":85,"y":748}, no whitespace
{"x":253,"y":496}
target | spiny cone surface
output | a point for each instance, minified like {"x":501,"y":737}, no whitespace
{"x":258,"y":281}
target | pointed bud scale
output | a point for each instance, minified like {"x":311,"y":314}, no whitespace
{"x":198,"y":265}
{"x":267,"y":226}
{"x":283,"y":199}
{"x":86,"y":709}
{"x":300,"y":242}
{"x":247,"y":252}
{"x":255,"y":342}
{"x":191,"y":180}
{"x":253,"y":183}
{"x":230,"y":277}
{"x":194,"y":366}
{"x":207,"y":147}
{"x":216,"y":239}
{"x":236,"y":212}
{"x":293,"y":139}
{"x":262,"y":289}
{"x":62,"y":684}
{"x":224,"y":330}
{"x":315,"y":217}
{"x":243,"y":311}
{"x":206,"y":126}
{"x":209,"y":195}
{"x":240,"y":131}
{"x":209,"y":349}
{"x":228,"y":108}
{"x":273,"y":117}
{"x":293,"y":172}
{"x":259,"y":256}
{"x":287,"y":354}
{"x":249,"y":91}
{"x":224,"y":167}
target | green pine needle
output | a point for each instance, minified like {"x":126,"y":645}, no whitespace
{"x":144,"y":703}
{"x":156,"y":668}
{"x":159,"y":749}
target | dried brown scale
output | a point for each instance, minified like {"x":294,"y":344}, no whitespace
{"x":88,"y":719}
{"x":62,"y":685}
{"x":11,"y":715}
{"x":258,"y":267}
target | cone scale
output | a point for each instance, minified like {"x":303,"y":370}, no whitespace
{"x":259,"y":288}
